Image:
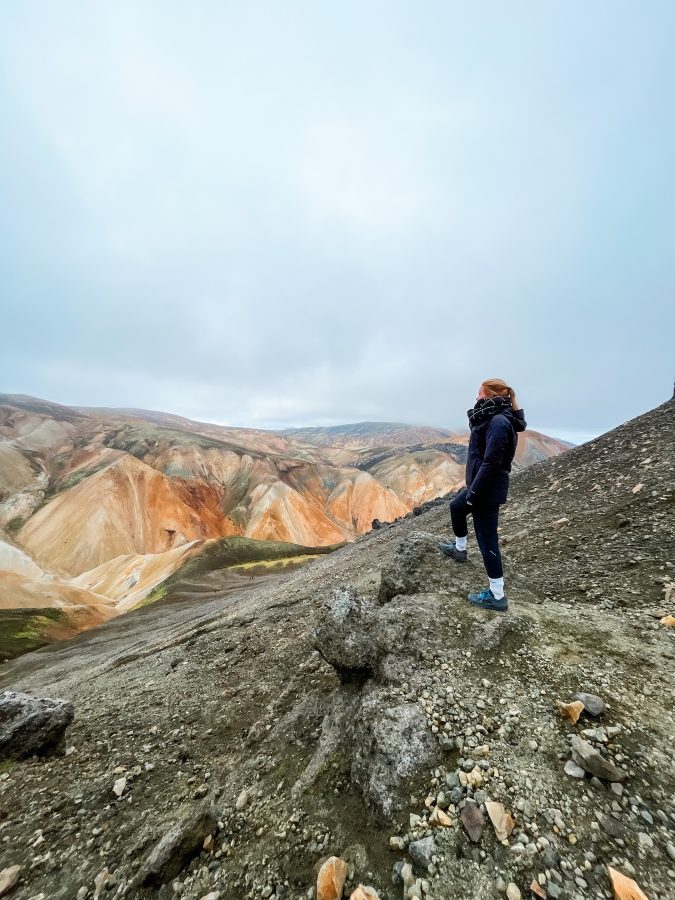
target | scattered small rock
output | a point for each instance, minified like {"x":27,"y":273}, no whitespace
{"x":574,"y":770}
{"x":570,"y":711}
{"x":183,"y":841}
{"x":595,"y":706}
{"x":501,"y":819}
{"x":119,"y":786}
{"x":593,"y":762}
{"x":421,"y":852}
{"x":364,"y":893}
{"x":472,"y":820}
{"x":609,"y":824}
{"x":8,"y":878}
{"x":439,"y":819}
{"x":537,"y":889}
{"x":242,"y":800}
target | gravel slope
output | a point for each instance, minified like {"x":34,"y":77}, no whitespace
{"x":225,"y":701}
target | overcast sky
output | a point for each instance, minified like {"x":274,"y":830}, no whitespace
{"x":288,"y":213}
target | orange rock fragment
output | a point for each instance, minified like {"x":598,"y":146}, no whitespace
{"x":625,"y":888}
{"x":501,"y":819}
{"x":364,"y":893}
{"x":668,"y":621}
{"x":331,"y":879}
{"x":570,"y":711}
{"x":537,"y":889}
{"x":439,"y":819}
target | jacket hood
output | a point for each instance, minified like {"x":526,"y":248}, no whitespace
{"x":517,"y":419}
{"x":487,"y":407}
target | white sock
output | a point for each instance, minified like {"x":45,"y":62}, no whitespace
{"x":460,"y":543}
{"x":497,"y":587}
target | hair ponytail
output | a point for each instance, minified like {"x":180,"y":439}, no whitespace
{"x":495,"y":387}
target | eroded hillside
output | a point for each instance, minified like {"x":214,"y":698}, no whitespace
{"x":359,"y":707}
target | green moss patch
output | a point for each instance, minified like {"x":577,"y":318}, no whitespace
{"x":23,"y":630}
{"x":237,"y":554}
{"x":15,"y":525}
{"x":270,"y":564}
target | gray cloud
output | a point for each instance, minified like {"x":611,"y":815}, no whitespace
{"x":277,"y":214}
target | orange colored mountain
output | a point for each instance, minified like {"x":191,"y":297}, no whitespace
{"x":127,"y":507}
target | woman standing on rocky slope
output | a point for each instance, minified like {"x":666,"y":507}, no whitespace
{"x":495,"y":421}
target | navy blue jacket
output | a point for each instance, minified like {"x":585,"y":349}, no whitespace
{"x":492,"y":446}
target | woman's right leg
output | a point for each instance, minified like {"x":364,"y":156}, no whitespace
{"x":485,"y":522}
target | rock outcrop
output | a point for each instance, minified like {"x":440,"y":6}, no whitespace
{"x":345,"y":635}
{"x":390,"y":743}
{"x":404,"y":575}
{"x":391,"y":746}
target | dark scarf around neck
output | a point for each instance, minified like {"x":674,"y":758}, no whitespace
{"x":487,"y":408}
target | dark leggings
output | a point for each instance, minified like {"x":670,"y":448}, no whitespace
{"x":485,"y":521}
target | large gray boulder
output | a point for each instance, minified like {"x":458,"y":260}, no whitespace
{"x":32,"y":726}
{"x":410,"y":570}
{"x":179,"y":845}
{"x":392,"y":745}
{"x":344,"y":635}
{"x":354,"y":635}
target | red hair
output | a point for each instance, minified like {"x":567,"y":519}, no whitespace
{"x":495,"y":387}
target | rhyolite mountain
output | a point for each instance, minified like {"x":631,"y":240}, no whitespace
{"x":228,"y":740}
{"x":99,"y":506}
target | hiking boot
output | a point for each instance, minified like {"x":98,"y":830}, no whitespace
{"x":487,"y":600}
{"x":451,"y":550}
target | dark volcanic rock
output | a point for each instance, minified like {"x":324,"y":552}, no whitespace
{"x":593,"y":705}
{"x":354,"y":635}
{"x":32,"y":726}
{"x":610,"y":825}
{"x":406,"y":573}
{"x":421,"y":852}
{"x":593,"y":762}
{"x":173,"y":852}
{"x":472,"y":820}
{"x":392,"y":744}
{"x":344,"y":635}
